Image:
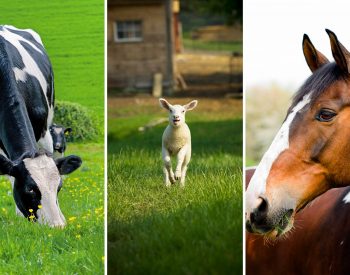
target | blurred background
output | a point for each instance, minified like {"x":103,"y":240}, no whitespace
{"x":274,"y":64}
{"x":180,"y":50}
{"x":174,"y":47}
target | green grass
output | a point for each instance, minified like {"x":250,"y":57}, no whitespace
{"x":157,"y":230}
{"x":72,"y":32}
{"x":215,"y":46}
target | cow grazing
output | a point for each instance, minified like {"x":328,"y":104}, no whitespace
{"x":26,"y":111}
{"x":58,"y":134}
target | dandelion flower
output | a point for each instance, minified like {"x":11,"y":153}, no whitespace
{"x":31,"y":210}
{"x":72,"y":219}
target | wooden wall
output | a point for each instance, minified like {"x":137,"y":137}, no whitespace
{"x":133,"y":64}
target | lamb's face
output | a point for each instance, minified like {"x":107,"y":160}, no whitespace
{"x":177,"y":112}
{"x":176,"y":115}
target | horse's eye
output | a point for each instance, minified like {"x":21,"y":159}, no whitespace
{"x":325,"y":115}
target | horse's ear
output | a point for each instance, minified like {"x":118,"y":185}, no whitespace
{"x":340,"y":53}
{"x":313,"y":57}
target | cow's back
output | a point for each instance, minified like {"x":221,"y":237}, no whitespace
{"x":30,"y":74}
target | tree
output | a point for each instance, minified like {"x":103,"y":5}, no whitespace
{"x":231,"y":9}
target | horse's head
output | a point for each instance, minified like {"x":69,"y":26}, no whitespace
{"x":310,"y":153}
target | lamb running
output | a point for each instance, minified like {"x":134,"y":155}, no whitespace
{"x":176,"y":140}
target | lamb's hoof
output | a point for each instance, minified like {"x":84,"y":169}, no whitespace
{"x":167,"y":184}
{"x":177,"y":175}
{"x":172,"y":180}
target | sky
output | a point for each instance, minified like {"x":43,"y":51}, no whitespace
{"x":273,"y":33}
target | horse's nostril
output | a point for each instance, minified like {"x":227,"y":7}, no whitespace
{"x":260,"y":212}
{"x":263,"y":206}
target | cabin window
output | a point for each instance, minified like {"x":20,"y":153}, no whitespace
{"x":128,"y":31}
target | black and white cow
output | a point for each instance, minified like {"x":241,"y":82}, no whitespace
{"x":58,"y":134}
{"x":26,"y":111}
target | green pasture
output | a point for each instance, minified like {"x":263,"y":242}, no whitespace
{"x":157,"y":230}
{"x":72,"y":32}
{"x":211,"y":46}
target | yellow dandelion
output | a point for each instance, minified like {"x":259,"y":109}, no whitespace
{"x":103,"y":258}
{"x":78,"y":226}
{"x":78,"y":236}
{"x":31,"y":210}
{"x":40,"y":206}
{"x":72,"y":219}
{"x":50,"y":235}
{"x":31,"y":217}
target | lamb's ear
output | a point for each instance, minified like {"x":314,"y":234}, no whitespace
{"x":313,"y":57}
{"x":191,"y":105}
{"x":68,"y":164}
{"x":340,"y":53}
{"x":6,"y":166}
{"x":164,"y":104}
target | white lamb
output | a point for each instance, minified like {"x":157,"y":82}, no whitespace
{"x":176,"y":140}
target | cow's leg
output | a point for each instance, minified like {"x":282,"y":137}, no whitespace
{"x":46,"y":142}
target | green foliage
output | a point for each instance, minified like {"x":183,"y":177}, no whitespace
{"x":78,"y":118}
{"x":157,"y":230}
{"x":231,"y":9}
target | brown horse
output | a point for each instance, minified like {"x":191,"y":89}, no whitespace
{"x":318,"y":244}
{"x":310,"y":153}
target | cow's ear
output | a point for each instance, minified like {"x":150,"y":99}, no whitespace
{"x":68,"y":164}
{"x":6,"y":166}
{"x":67,"y":131}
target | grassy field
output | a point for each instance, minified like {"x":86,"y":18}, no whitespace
{"x":157,"y":230}
{"x":72,"y":32}
{"x":79,"y":248}
{"x":211,"y":46}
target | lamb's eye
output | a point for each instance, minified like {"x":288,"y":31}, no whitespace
{"x":183,"y":111}
{"x":325,"y":115}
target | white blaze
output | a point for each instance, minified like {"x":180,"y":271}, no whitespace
{"x":346,"y":199}
{"x":257,"y":185}
{"x":44,"y":172}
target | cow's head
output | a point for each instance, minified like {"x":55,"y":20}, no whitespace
{"x":37,"y":183}
{"x":58,"y":134}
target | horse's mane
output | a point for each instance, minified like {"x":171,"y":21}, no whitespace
{"x":318,"y":82}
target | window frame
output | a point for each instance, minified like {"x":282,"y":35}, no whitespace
{"x":127,"y":40}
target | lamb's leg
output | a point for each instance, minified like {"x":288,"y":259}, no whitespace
{"x":166,"y":177}
{"x":168,"y":171}
{"x":181,"y":155}
{"x":184,"y":168}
